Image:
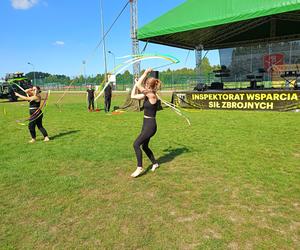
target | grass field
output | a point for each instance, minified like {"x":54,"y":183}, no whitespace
{"x":229,"y":181}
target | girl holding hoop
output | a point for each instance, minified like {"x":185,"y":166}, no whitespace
{"x":34,"y":99}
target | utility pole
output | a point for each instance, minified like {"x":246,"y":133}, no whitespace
{"x":34,"y":83}
{"x":84,"y":73}
{"x":133,"y":33}
{"x":103,"y":38}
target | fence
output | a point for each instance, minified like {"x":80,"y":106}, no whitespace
{"x":170,"y":82}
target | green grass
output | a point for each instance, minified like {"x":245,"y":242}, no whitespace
{"x":230,"y":181}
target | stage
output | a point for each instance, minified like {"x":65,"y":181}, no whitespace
{"x":262,"y":100}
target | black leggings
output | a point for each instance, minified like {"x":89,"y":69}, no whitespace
{"x":107,"y":103}
{"x":37,"y":122}
{"x":91,"y":103}
{"x":148,"y":130}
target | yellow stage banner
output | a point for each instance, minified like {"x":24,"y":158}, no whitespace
{"x":265,"y":100}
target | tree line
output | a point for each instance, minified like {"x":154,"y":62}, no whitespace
{"x":166,"y":76}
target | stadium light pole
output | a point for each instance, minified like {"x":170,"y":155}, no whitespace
{"x":84,"y":72}
{"x":33,"y":72}
{"x":103,"y":38}
{"x":110,"y":52}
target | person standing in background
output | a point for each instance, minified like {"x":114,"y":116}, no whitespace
{"x":90,"y":97}
{"x":107,"y":97}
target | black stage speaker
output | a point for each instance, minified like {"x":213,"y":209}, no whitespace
{"x":200,"y":87}
{"x":253,"y":85}
{"x":216,"y":85}
{"x":154,"y":74}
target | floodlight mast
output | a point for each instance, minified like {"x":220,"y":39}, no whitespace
{"x":103,"y":38}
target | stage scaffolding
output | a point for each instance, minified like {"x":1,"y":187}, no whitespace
{"x":267,"y":60}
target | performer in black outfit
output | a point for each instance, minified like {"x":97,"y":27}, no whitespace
{"x":90,"y":96}
{"x":107,"y":97}
{"x":148,"y":93}
{"x":34,"y":99}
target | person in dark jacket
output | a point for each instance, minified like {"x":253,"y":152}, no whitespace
{"x":107,"y":97}
{"x":90,"y":97}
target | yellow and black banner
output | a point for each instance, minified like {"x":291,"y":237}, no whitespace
{"x":265,"y":100}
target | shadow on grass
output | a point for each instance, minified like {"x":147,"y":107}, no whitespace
{"x":170,"y":155}
{"x":63,"y":134}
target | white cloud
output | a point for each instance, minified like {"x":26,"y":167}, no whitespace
{"x":23,"y":4}
{"x":59,"y":43}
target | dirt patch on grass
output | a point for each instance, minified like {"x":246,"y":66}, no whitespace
{"x":297,"y":155}
{"x":233,"y":246}
{"x":211,"y":233}
{"x":190,"y":218}
{"x":190,"y":246}
{"x":236,"y":219}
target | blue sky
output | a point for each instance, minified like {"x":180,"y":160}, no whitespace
{"x":55,"y":36}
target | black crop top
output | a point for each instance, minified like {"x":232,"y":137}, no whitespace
{"x":149,"y":109}
{"x":34,"y":104}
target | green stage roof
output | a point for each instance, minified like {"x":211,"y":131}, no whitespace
{"x":225,"y":23}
